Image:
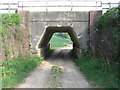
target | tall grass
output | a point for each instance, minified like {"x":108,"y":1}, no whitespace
{"x":16,"y":69}
{"x":98,"y":72}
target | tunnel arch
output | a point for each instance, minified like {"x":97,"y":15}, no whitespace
{"x":47,"y":35}
{"x":53,"y":29}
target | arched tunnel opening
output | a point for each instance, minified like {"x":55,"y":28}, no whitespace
{"x":44,"y":44}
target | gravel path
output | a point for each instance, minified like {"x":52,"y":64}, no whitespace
{"x":71,"y":78}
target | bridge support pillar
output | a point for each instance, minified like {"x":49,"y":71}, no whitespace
{"x":45,"y":51}
{"x":77,"y":52}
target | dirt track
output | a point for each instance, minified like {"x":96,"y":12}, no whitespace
{"x":71,"y":78}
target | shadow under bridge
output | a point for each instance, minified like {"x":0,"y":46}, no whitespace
{"x":44,"y":45}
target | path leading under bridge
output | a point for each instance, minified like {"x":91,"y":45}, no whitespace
{"x":71,"y":78}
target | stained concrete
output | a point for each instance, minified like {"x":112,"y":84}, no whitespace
{"x":39,"y":22}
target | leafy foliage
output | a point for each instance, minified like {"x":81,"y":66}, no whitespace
{"x":9,"y":20}
{"x":16,"y":69}
{"x":108,"y":25}
{"x":7,"y":50}
{"x":109,"y":19}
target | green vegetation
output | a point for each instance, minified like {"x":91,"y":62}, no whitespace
{"x":108,"y":30}
{"x":59,"y":42}
{"x":52,"y":50}
{"x":8,"y":20}
{"x":108,"y":26}
{"x":98,"y":72}
{"x":56,"y":70}
{"x":7,"y":50}
{"x":63,"y":35}
{"x":16,"y":69}
{"x":55,"y":77}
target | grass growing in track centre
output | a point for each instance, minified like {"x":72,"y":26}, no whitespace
{"x":16,"y":69}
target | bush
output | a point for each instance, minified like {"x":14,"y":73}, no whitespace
{"x":108,"y":25}
{"x":9,"y":20}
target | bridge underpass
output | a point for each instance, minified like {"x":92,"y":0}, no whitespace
{"x":44,"y":24}
{"x":78,"y":21}
{"x":44,"y":45}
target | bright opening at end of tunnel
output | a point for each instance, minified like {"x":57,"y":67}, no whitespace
{"x":61,"y":41}
{"x":59,"y":38}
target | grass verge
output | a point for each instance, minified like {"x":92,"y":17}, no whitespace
{"x":98,"y":72}
{"x":15,"y":70}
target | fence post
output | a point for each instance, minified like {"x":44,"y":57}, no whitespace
{"x":96,"y":5}
{"x":9,"y":7}
{"x":22,"y":5}
{"x":109,"y":4}
{"x":71,"y":6}
{"x":46,"y":6}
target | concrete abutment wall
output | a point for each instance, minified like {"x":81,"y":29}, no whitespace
{"x":45,"y":51}
{"x":44,"y":42}
{"x":78,"y":21}
{"x":39,"y":21}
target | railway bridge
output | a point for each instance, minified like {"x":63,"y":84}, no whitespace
{"x":77,"y":24}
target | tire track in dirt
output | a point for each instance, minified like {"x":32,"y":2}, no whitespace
{"x":71,"y":78}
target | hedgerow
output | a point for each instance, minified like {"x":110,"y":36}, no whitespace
{"x":108,"y":25}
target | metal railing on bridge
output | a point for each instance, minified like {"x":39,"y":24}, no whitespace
{"x":10,"y":7}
